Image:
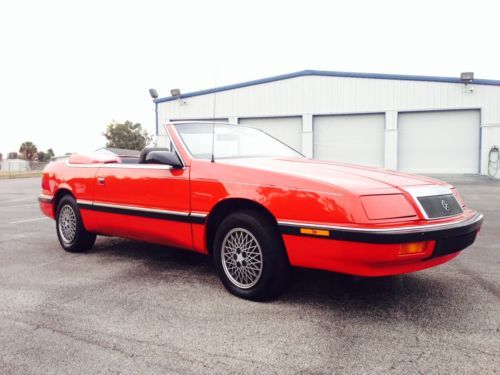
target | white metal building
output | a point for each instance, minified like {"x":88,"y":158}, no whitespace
{"x":411,"y":123}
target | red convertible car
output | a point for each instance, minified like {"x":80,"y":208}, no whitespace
{"x":257,"y":207}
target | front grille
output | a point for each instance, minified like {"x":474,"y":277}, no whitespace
{"x":436,"y":206}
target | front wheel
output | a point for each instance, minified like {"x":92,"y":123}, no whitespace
{"x":72,"y":235}
{"x":250,"y":256}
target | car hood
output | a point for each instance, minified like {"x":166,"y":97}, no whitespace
{"x":342,"y":175}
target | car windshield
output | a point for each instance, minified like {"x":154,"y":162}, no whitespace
{"x":231,"y":141}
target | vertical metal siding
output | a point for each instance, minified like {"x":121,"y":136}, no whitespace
{"x":317,"y":95}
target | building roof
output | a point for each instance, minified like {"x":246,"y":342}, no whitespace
{"x":324,"y":73}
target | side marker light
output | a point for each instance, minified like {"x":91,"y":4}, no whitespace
{"x":315,"y":232}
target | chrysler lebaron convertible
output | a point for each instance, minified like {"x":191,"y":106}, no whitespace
{"x":258,"y":207}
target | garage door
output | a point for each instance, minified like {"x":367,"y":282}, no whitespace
{"x":439,"y":142}
{"x":287,"y":129}
{"x":357,"y":139}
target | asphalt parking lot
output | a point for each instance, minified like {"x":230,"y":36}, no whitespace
{"x":130,"y":307}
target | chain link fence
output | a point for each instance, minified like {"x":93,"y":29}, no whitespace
{"x":11,"y":168}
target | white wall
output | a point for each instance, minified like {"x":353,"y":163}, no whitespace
{"x":308,"y":96}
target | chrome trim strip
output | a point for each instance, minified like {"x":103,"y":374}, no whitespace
{"x":429,"y":191}
{"x":135,"y":166}
{"x":477,"y":217}
{"x":142,"y":209}
{"x":70,"y":165}
{"x":119,"y":166}
{"x":198,"y":214}
{"x":83,"y":201}
{"x":155,"y":213}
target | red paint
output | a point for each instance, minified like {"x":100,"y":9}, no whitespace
{"x":354,"y":258}
{"x":294,"y":190}
{"x":376,"y":207}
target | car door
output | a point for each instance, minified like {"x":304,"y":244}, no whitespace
{"x":147,"y":202}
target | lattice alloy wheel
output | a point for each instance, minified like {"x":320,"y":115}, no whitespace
{"x":71,"y":232}
{"x":67,"y":224}
{"x":250,"y":256}
{"x":242,"y":258}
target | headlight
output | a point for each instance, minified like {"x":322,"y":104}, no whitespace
{"x":388,"y":206}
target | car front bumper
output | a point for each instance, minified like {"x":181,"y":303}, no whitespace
{"x":377,"y":251}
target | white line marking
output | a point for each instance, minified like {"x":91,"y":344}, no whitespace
{"x":19,"y":200}
{"x":28,"y":220}
{"x":21,"y":205}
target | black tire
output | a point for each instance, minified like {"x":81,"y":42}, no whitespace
{"x":71,"y":233}
{"x":270,"y":277}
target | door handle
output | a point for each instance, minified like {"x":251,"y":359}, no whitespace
{"x":101,"y":180}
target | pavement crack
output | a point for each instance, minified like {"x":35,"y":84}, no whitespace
{"x":480,"y":280}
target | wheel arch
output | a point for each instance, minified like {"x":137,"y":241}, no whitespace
{"x":60,"y":193}
{"x":227,"y":207}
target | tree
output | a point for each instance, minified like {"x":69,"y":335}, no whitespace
{"x":12,"y":155}
{"x":28,"y":150}
{"x":45,"y":155}
{"x":1,"y":156}
{"x":127,"y":135}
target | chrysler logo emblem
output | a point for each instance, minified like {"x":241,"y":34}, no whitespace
{"x":445,"y":205}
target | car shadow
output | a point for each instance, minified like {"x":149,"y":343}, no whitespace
{"x":150,"y":254}
{"x":425,"y":298}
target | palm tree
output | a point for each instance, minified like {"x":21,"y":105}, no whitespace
{"x":29,"y":151}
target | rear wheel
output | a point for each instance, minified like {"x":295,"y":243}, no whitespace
{"x":70,"y":230}
{"x":250,"y":256}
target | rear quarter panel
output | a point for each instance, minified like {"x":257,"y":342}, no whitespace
{"x":58,"y":178}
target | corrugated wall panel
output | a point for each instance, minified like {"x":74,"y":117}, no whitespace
{"x":331,"y":95}
{"x":316,"y":95}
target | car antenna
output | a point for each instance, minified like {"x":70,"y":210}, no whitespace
{"x":213,"y":118}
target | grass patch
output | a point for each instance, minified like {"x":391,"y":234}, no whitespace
{"x":6,"y":175}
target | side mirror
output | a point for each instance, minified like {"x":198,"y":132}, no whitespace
{"x":164,"y":157}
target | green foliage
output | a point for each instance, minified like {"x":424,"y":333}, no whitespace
{"x":127,"y":135}
{"x":28,"y":151}
{"x":45,"y":155}
{"x":41,"y":156}
{"x":12,"y":155}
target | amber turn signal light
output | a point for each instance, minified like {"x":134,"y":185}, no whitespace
{"x":315,"y":232}
{"x":412,"y":248}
